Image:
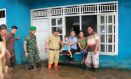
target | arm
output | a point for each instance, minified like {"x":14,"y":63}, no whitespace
{"x":66,"y":42}
{"x":73,"y":42}
{"x":18,"y":38}
{"x":97,"y":43}
{"x":8,"y":53}
{"x":3,"y":50}
{"x":25,"y":46}
{"x":7,"y":38}
{"x":61,"y":43}
{"x":80,"y":46}
{"x":86,"y":43}
{"x":47,"y":45}
{"x":26,"y":54}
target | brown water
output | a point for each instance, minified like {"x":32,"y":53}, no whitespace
{"x":69,"y":72}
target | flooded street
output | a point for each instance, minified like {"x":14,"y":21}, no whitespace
{"x":68,"y":72}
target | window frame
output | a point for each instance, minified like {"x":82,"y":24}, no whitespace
{"x":5,"y":21}
{"x":114,"y":39}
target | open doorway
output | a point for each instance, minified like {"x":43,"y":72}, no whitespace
{"x":73,"y":23}
{"x":88,"y":20}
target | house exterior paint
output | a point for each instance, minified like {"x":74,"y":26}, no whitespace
{"x":18,"y":13}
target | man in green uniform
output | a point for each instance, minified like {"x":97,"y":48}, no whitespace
{"x":31,"y":50}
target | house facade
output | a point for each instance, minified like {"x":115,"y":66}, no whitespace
{"x":110,"y":18}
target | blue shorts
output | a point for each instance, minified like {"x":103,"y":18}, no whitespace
{"x":84,"y":54}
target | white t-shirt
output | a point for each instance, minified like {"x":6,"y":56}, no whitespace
{"x":92,"y":39}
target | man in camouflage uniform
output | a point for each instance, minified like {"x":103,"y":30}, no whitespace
{"x":31,"y":50}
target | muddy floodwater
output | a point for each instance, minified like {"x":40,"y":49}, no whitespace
{"x":69,"y":72}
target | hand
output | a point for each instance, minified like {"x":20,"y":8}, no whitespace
{"x":8,"y":54}
{"x":61,"y":42}
{"x":60,"y":51}
{"x":68,"y":43}
{"x":46,"y":50}
{"x":18,"y":37}
{"x":26,"y":54}
{"x":83,"y":50}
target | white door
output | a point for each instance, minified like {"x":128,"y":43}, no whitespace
{"x":2,"y":21}
{"x":42,"y":33}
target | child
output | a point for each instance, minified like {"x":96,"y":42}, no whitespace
{"x":66,"y":46}
{"x":2,"y":54}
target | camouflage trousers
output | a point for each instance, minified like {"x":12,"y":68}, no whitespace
{"x":33,"y":59}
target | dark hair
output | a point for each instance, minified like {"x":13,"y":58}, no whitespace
{"x":80,"y":32}
{"x":3,"y":26}
{"x":1,"y":39}
{"x":65,"y":36}
{"x":91,"y":27}
{"x":14,"y":27}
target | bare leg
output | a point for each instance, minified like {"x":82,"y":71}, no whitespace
{"x":6,"y":72}
{"x":1,"y":74}
{"x":83,"y":60}
{"x":70,"y":53}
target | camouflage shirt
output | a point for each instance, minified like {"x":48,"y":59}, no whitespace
{"x":30,"y":42}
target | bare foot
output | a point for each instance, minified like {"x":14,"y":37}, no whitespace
{"x":83,"y":62}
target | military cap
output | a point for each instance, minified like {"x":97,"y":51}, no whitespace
{"x":32,"y":28}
